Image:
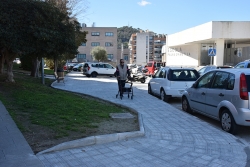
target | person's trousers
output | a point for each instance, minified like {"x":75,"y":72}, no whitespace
{"x":121,"y":84}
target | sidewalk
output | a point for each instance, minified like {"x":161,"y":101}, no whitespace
{"x":14,"y":149}
{"x":172,"y":137}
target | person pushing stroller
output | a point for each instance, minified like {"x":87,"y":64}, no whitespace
{"x":122,"y":73}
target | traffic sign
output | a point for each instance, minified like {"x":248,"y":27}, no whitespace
{"x":211,"y":52}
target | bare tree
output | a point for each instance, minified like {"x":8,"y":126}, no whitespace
{"x":74,"y":8}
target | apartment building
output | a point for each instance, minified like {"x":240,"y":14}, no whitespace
{"x":99,"y":36}
{"x":146,"y":46}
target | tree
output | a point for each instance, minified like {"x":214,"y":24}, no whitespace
{"x":35,"y":29}
{"x":73,"y":8}
{"x":99,"y":53}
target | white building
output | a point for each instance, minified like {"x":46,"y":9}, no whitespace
{"x":229,"y":39}
{"x":146,"y":46}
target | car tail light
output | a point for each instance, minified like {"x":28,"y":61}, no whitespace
{"x":243,"y":87}
{"x":88,"y":68}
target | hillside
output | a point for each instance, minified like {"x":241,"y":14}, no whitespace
{"x":124,"y":34}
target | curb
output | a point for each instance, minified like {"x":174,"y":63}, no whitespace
{"x":101,"y":139}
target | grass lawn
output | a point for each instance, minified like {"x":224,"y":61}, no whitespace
{"x":32,"y":104}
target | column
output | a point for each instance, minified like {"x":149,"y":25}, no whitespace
{"x":219,"y":58}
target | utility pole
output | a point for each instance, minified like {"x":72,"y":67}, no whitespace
{"x":121,"y":50}
{"x":42,"y":71}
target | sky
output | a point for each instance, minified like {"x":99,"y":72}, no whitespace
{"x":163,"y":16}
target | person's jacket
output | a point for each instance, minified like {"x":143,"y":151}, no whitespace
{"x":122,"y":72}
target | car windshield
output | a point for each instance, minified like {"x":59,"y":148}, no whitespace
{"x":183,"y":75}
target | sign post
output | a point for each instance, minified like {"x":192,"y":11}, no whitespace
{"x":211,"y":53}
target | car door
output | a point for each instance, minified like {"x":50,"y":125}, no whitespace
{"x":198,"y":92}
{"x":109,"y":69}
{"x":156,"y":81}
{"x":216,"y":93}
{"x":101,"y":70}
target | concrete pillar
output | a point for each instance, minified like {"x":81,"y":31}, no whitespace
{"x":218,"y":59}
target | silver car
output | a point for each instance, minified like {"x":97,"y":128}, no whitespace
{"x":221,"y":94}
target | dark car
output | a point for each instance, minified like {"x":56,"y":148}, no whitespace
{"x":207,"y":68}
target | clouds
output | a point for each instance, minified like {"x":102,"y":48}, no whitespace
{"x":143,"y":3}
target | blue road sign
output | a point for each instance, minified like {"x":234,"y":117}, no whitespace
{"x":211,"y":52}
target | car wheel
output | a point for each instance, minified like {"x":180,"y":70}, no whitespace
{"x":186,"y":106}
{"x":143,"y":81}
{"x":164,"y":97}
{"x":149,"y":90}
{"x":87,"y":75}
{"x":94,"y":74}
{"x":227,"y":122}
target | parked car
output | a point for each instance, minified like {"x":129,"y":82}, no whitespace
{"x":153,"y":67}
{"x":207,"y":68}
{"x":17,"y":61}
{"x":243,"y":64}
{"x":78,"y":67}
{"x":171,"y":82}
{"x":94,"y":69}
{"x":69,"y":66}
{"x":222,"y":94}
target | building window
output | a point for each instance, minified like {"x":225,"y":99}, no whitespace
{"x":110,"y":34}
{"x":110,"y":56}
{"x":125,"y":57}
{"x":108,"y":44}
{"x":83,"y":44}
{"x":81,"y":56}
{"x":95,"y":44}
{"x":95,"y":33}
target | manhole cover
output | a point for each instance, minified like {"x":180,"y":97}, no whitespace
{"x":121,"y":115}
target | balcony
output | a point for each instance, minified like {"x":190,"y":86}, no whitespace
{"x":157,"y":59}
{"x":157,"y":49}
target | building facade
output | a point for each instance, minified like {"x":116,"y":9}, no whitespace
{"x":99,"y":36}
{"x":146,"y":46}
{"x":228,"y":40}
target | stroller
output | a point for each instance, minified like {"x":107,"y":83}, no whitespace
{"x":124,"y":90}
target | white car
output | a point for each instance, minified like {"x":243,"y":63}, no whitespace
{"x":17,"y":60}
{"x":171,"y":82}
{"x":94,"y":69}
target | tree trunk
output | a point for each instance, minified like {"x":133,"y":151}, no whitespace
{"x":9,"y":71}
{"x":35,"y":67}
{"x":55,"y":64}
{"x":1,"y":63}
{"x":9,"y":57}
